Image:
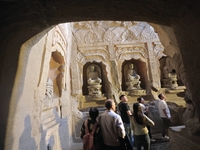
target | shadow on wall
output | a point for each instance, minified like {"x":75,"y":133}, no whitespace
{"x":26,"y":141}
{"x":42,"y":140}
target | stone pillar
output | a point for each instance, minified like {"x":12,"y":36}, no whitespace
{"x":153,"y":68}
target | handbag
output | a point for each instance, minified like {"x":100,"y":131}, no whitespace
{"x":88,"y":138}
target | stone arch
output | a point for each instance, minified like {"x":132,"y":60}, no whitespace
{"x":15,"y":32}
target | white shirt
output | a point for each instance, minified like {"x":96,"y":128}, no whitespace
{"x":162,"y":105}
{"x":112,"y":127}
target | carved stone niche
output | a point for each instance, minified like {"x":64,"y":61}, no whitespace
{"x":134,"y":77}
{"x":56,"y":73}
{"x":93,"y":82}
{"x":55,"y":82}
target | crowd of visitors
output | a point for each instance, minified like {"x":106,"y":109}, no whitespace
{"x":122,"y":129}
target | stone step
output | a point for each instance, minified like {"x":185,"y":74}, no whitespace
{"x":47,"y":120}
{"x":47,"y":113}
{"x":49,"y":124}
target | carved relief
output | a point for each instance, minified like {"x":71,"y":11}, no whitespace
{"x":126,"y":31}
{"x":58,"y":38}
{"x":148,"y":33}
{"x":128,"y":36}
{"x":124,"y":50}
{"x":92,"y":52}
{"x":92,"y":38}
{"x":158,"y":50}
{"x":110,"y":36}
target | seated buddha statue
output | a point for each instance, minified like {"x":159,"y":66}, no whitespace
{"x":132,"y":78}
{"x":93,"y":76}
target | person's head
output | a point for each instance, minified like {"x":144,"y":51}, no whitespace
{"x":137,"y":108}
{"x":110,"y":104}
{"x":161,"y":96}
{"x":140,"y":100}
{"x":131,"y":66}
{"x":173,"y":71}
{"x":138,"y":114}
{"x":92,"y":68}
{"x":93,"y":112}
{"x":123,"y":98}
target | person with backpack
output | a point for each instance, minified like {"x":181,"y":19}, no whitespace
{"x":90,"y":131}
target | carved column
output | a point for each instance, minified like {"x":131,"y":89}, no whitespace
{"x":153,"y":67}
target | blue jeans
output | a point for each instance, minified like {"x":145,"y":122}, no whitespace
{"x":129,"y":132}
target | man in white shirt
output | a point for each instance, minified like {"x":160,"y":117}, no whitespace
{"x":165,"y":115}
{"x":112,"y":126}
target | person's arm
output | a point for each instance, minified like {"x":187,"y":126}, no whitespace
{"x":165,"y":112}
{"x":120,"y":127}
{"x":148,"y":121}
{"x":129,"y":113}
{"x":132,"y":123}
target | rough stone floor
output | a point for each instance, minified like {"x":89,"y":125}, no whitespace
{"x":159,"y":144}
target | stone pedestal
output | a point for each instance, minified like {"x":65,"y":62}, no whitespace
{"x":166,"y":83}
{"x":181,"y":140}
{"x":95,"y":92}
{"x":132,"y":85}
{"x":177,"y":89}
{"x":137,"y":92}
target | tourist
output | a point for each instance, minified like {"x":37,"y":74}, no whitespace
{"x":139,"y":122}
{"x":91,"y":124}
{"x":165,"y":115}
{"x":125,"y":113}
{"x":141,"y":102}
{"x":111,"y":126}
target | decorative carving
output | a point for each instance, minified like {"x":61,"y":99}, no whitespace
{"x":92,"y":51}
{"x":46,"y":103}
{"x":92,"y":38}
{"x":124,"y":50}
{"x":128,"y":36}
{"x":127,"y":24}
{"x":110,"y":36}
{"x":49,"y":89}
{"x":148,"y":33}
{"x":158,"y":49}
{"x":59,"y":39}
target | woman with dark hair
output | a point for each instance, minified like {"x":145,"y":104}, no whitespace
{"x":139,"y":122}
{"x":91,"y":126}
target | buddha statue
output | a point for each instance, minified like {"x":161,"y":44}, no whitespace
{"x":173,"y":79}
{"x":93,"y":80}
{"x":132,"y":78}
{"x":93,"y":76}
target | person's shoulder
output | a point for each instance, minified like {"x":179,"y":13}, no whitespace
{"x":141,"y":104}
